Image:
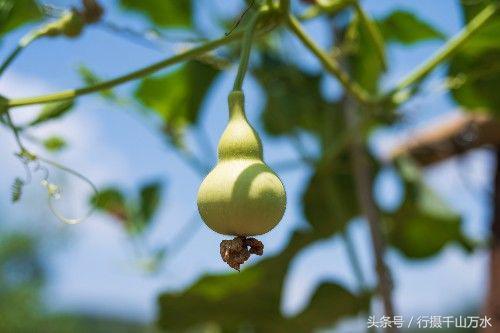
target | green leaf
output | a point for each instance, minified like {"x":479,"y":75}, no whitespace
{"x":365,"y":68}
{"x":475,"y":67}
{"x":90,"y":79}
{"x":478,"y":79}
{"x":330,"y":199}
{"x":322,"y":311}
{"x":17,"y":189}
{"x":177,"y":96}
{"x":330,"y":7}
{"x":111,"y":201}
{"x":251,"y":300}
{"x":150,"y":198}
{"x":54,"y":143}
{"x":424,"y":224}
{"x":294,"y":100}
{"x":52,"y":111}
{"x":406,"y":28}
{"x":15,"y":13}
{"x":169,"y":13}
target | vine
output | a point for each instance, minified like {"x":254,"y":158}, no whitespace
{"x":238,"y":250}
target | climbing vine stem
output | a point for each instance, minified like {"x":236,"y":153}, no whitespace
{"x":448,"y":49}
{"x":73,"y":93}
{"x":330,"y":65}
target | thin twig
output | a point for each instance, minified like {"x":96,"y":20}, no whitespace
{"x":237,"y":23}
{"x":353,"y":88}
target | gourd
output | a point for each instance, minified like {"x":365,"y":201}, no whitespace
{"x":241,"y":196}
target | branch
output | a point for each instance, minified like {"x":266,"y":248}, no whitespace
{"x":330,"y":65}
{"x":448,"y":49}
{"x":364,"y":184}
{"x":70,"y":94}
{"x":454,"y":137}
{"x":285,"y":6}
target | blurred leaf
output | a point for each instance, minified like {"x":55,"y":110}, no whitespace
{"x":471,"y":8}
{"x":177,"y":96}
{"x":15,"y":245}
{"x":406,"y":28}
{"x":322,"y":311}
{"x":330,"y":199}
{"x":112,"y":201}
{"x":479,"y":78}
{"x":90,"y":79}
{"x":424,"y":224}
{"x":17,"y":189}
{"x":150,"y":198}
{"x":15,"y":13}
{"x":294,"y":100}
{"x":54,"y":143}
{"x":476,"y":65}
{"x":365,"y":68}
{"x":52,"y":111}
{"x":330,"y":7}
{"x":252,"y":299}
{"x":170,"y":13}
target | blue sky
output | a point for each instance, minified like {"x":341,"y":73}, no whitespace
{"x":93,"y":268}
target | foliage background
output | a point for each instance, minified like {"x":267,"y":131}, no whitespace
{"x":99,"y":270}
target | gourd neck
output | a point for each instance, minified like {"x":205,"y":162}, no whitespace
{"x":239,"y":140}
{"x":236,"y":102}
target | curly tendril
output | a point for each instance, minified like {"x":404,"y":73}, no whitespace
{"x":33,"y":163}
{"x":54,"y":192}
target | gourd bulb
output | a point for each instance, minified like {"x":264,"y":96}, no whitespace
{"x":241,"y":196}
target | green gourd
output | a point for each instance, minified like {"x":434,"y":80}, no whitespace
{"x":241,"y":196}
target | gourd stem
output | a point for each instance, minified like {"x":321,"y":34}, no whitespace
{"x":245,"y":51}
